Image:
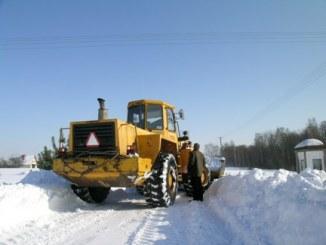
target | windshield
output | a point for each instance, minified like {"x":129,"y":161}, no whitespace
{"x":136,"y":116}
{"x":154,"y":117}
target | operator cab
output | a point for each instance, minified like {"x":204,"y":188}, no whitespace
{"x":151,"y":115}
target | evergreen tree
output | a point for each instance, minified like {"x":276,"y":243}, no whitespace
{"x":45,"y":159}
{"x":322,"y":129}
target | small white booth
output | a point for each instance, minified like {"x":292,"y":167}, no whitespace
{"x":310,"y":153}
{"x":29,"y":161}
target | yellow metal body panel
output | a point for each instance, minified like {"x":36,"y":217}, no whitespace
{"x":168,"y":135}
{"x":125,"y":133}
{"x":184,"y":160}
{"x":97,"y":171}
{"x":149,"y":146}
{"x":149,"y":101}
{"x":121,"y":170}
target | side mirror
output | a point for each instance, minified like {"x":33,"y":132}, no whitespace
{"x":181,"y":114}
{"x":185,"y":136}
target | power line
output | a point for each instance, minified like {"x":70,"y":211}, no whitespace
{"x":308,"y":80}
{"x":189,"y":38}
{"x":248,"y":35}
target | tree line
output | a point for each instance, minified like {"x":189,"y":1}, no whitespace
{"x":273,"y":149}
{"x":12,"y":162}
{"x":44,"y":160}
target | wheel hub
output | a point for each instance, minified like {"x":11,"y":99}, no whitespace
{"x":170,"y":180}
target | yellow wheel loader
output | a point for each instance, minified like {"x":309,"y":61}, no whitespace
{"x":146,"y":152}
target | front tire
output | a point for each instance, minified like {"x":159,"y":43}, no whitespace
{"x":161,"y":186}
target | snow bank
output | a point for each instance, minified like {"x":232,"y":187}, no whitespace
{"x":278,"y":207}
{"x":37,"y":195}
{"x":42,"y":209}
{"x":43,"y":178}
{"x":250,"y":207}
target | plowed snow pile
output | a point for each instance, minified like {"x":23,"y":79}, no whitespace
{"x":280,"y":207}
{"x":35,"y":198}
{"x":252,"y":207}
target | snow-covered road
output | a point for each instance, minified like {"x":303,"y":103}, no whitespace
{"x":37,"y":207}
{"x":250,"y":207}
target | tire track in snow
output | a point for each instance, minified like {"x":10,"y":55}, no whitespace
{"x":183,"y":223}
{"x":148,"y":232}
{"x":120,"y":215}
{"x":83,"y":226}
{"x":56,"y":228}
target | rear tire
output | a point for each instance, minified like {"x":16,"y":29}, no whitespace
{"x":188,"y":187}
{"x":98,"y":194}
{"x":91,"y":194}
{"x":205,"y":180}
{"x":161,"y":186}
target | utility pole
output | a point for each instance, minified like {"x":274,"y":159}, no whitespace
{"x":220,"y":148}
{"x":220,"y":141}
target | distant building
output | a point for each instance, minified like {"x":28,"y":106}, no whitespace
{"x":310,"y":153}
{"x":28,"y":161}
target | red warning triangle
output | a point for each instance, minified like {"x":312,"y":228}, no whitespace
{"x":92,"y":140}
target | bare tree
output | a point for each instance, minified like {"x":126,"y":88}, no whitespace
{"x":274,"y":149}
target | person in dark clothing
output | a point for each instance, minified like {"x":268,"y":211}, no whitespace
{"x":195,"y":170}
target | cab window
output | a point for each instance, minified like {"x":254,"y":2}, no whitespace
{"x":154,"y":117}
{"x":170,"y":117}
{"x":136,"y":116}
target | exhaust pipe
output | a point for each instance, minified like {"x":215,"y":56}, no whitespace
{"x":102,"y":111}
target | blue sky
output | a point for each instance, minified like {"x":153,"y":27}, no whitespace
{"x":221,"y":85}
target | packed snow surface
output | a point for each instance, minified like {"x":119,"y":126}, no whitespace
{"x":246,"y":207}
